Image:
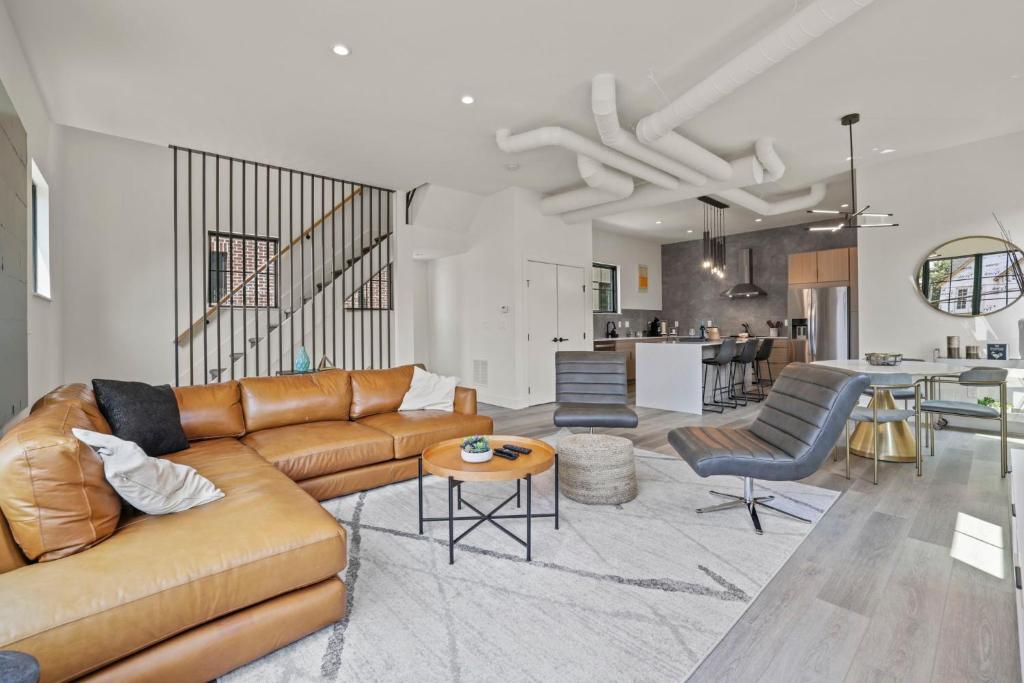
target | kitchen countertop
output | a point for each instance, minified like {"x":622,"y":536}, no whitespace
{"x":678,"y":339}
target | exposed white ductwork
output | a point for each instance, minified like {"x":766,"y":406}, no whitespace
{"x":748,"y":201}
{"x":606,"y":117}
{"x":744,"y":170}
{"x":764,"y":150}
{"x":809,"y":23}
{"x":676,"y":146}
{"x":603,"y":185}
{"x":677,"y":168}
{"x":556,"y":136}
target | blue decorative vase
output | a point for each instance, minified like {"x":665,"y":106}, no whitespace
{"x":302,"y":362}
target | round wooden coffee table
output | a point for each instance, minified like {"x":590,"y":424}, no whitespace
{"x":444,"y":459}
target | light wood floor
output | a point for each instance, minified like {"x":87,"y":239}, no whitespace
{"x":873,"y":593}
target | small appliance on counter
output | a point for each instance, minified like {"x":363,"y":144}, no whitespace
{"x":609,"y":330}
{"x":654,"y":328}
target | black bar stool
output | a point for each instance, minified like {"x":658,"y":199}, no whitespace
{"x":743,"y":358}
{"x":719,"y":391}
{"x":764,"y":352}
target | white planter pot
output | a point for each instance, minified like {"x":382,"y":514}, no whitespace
{"x":477,"y":457}
{"x":773,"y":332}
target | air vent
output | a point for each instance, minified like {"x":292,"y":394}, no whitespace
{"x":480,"y":373}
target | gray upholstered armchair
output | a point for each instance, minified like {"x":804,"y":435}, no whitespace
{"x":794,"y":432}
{"x":590,"y":387}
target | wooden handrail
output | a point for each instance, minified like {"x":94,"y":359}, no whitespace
{"x":198,"y":323}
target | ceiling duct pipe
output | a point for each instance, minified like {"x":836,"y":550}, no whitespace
{"x":800,"y":29}
{"x":603,"y":185}
{"x":606,"y":118}
{"x":764,"y":150}
{"x":813,"y":197}
{"x":556,"y":136}
{"x":745,"y":171}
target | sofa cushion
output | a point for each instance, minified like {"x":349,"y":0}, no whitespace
{"x":414,"y":431}
{"x":311,"y":450}
{"x":379,"y":391}
{"x":145,"y":414}
{"x":270,"y":402}
{"x":211,"y":411}
{"x":159,"y":576}
{"x":52,"y":488}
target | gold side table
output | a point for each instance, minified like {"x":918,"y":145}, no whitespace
{"x":896,"y":439}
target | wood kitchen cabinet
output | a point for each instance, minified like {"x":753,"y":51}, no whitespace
{"x":803,"y":268}
{"x":628,"y":348}
{"x":833,"y":265}
{"x":854,"y":281}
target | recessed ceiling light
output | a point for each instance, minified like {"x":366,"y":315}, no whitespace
{"x":341,"y":50}
{"x":689,"y":231}
{"x":757,"y":220}
{"x":657,"y":222}
{"x":844,"y":206}
{"x":512,"y":166}
{"x":468,"y":99}
{"x":887,"y":150}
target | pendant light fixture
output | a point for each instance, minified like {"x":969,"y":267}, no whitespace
{"x":851,"y":217}
{"x":714,"y":236}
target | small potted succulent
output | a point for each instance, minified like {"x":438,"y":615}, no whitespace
{"x":476,"y":449}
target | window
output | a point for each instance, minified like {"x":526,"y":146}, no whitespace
{"x":242,"y":270}
{"x":40,"y":234}
{"x":375,"y":295}
{"x":961,"y":298}
{"x":606,"y":288}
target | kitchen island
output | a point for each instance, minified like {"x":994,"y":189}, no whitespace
{"x":669,"y":372}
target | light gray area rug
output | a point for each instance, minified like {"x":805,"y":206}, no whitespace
{"x":640,"y":591}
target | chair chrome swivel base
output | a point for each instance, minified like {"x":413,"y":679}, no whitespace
{"x":750,"y":501}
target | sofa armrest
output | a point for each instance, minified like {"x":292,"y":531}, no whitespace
{"x":465,"y":400}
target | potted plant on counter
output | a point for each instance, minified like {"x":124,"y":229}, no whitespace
{"x":476,"y":449}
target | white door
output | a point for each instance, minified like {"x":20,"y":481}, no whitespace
{"x":557,"y":319}
{"x":542,"y":326}
{"x":573,"y":310}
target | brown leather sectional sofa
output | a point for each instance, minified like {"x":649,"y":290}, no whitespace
{"x":186,"y":597}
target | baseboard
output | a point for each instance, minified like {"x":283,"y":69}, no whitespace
{"x":484,"y":395}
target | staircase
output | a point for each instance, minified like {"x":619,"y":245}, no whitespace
{"x":319,"y":272}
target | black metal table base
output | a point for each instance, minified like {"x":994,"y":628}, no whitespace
{"x":455,"y":499}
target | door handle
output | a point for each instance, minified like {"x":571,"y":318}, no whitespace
{"x":562,"y":339}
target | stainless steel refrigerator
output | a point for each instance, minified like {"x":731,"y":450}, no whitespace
{"x":822,"y":315}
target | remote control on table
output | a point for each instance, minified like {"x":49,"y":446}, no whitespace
{"x":508,"y":455}
{"x":517,"y":449}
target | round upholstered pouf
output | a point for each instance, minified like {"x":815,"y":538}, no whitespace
{"x":18,"y":667}
{"x":597,"y":469}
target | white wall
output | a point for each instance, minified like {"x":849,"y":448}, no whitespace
{"x":119,"y":299}
{"x":45,"y":338}
{"x":477,"y":298}
{"x":936,"y":197}
{"x":628,"y":253}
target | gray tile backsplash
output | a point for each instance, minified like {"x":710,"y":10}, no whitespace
{"x":638,"y":321}
{"x":690,"y":295}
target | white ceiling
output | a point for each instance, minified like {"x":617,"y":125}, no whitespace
{"x":257,"y":79}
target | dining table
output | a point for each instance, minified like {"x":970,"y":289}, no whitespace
{"x":896,"y":440}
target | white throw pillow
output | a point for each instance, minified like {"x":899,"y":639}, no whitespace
{"x":150,"y":485}
{"x":430,"y":392}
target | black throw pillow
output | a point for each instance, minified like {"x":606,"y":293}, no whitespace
{"x":142,"y":413}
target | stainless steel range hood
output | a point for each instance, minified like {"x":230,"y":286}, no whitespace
{"x":745,"y":289}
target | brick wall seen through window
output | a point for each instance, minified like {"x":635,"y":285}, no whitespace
{"x":238,"y":259}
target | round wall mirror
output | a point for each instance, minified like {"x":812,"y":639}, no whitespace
{"x":972,"y":276}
